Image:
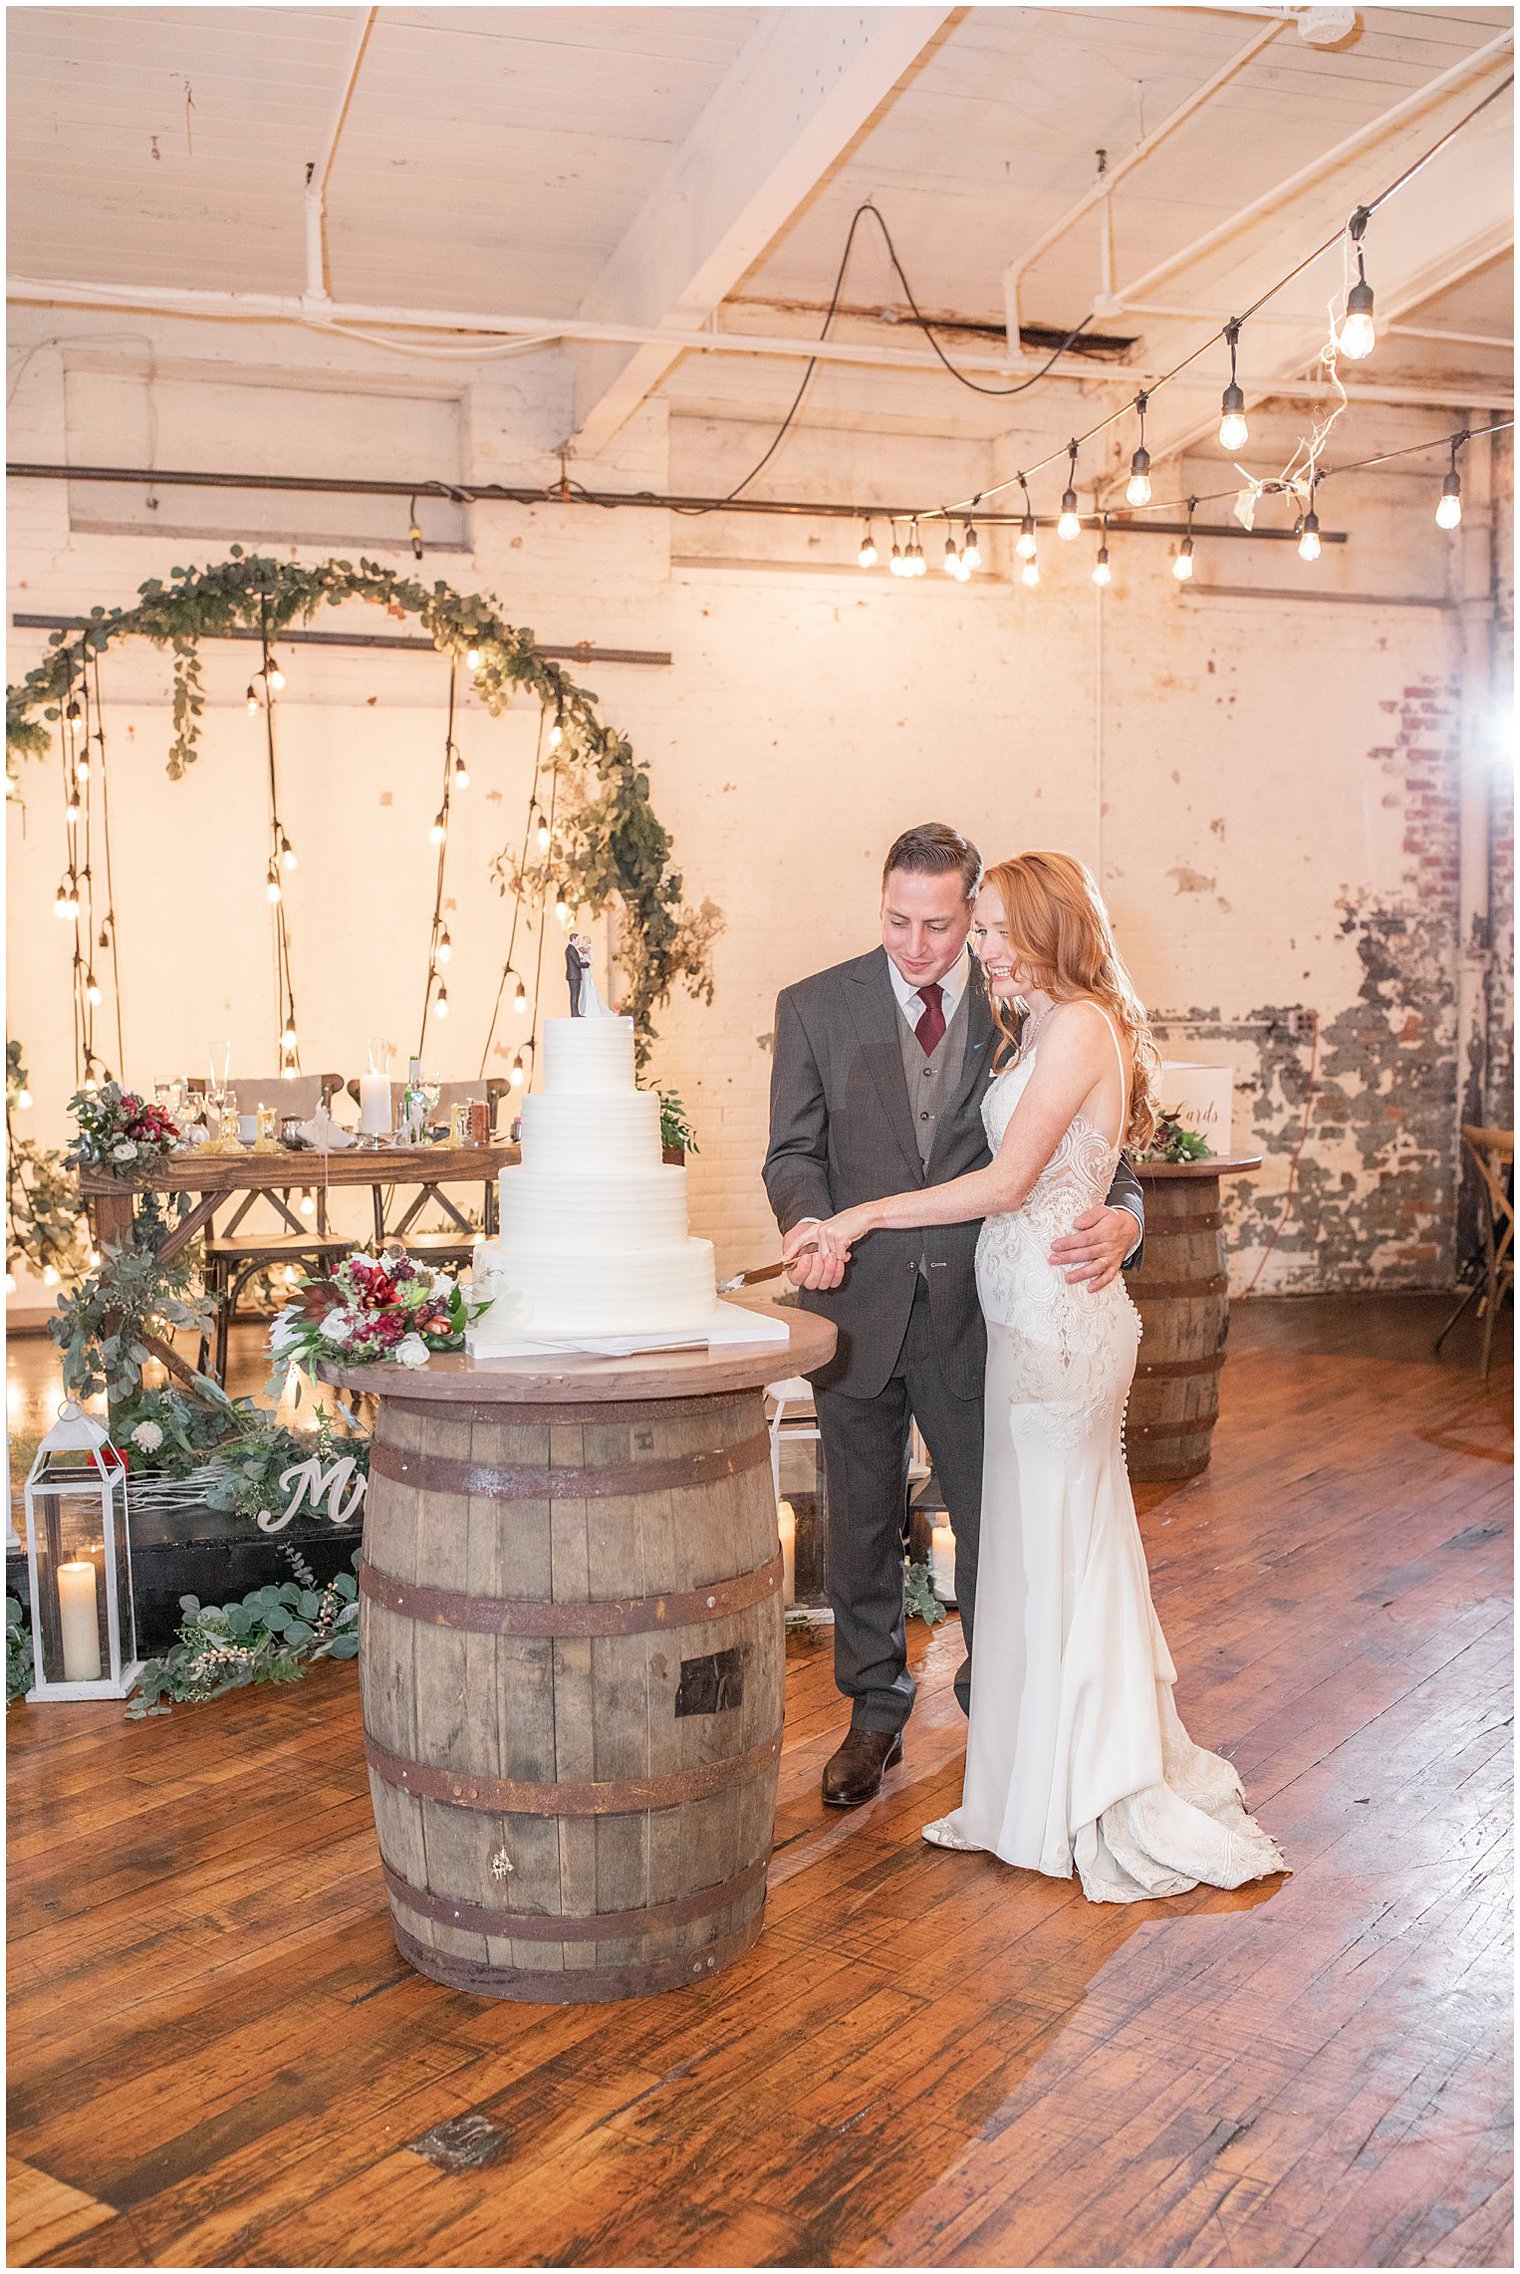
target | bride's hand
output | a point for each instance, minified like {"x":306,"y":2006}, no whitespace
{"x":839,"y":1234}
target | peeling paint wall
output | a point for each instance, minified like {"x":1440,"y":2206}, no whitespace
{"x":1263,"y":769}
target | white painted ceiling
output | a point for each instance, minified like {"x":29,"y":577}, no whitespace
{"x":493,"y":158}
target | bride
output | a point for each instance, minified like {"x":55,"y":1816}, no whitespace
{"x":1075,"y":1752}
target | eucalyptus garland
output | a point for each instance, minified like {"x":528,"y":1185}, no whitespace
{"x":44,"y":1220}
{"x":613,"y":845}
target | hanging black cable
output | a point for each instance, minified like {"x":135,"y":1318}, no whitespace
{"x":106,"y":942}
{"x":450,"y":753}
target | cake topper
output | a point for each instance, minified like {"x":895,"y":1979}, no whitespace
{"x":585,"y":1002}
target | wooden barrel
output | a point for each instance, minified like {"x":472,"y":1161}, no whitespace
{"x":1183,"y":1294}
{"x":571,"y":1657}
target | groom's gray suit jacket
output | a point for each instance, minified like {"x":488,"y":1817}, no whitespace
{"x":842,"y":1132}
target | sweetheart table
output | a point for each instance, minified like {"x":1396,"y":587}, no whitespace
{"x":571,"y":1661}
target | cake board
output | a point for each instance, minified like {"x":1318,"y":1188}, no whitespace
{"x":728,"y":1326}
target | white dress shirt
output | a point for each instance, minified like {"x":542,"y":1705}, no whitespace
{"x":911,"y":1003}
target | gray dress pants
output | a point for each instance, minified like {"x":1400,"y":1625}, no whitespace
{"x":865,"y":1452}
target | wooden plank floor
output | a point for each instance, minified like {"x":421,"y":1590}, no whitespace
{"x":216,"y":2057}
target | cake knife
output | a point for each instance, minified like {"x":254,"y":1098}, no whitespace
{"x":750,"y":1278}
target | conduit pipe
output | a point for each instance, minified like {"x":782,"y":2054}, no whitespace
{"x":1274,"y":198}
{"x":351,"y":318}
{"x":317,"y":298}
{"x":1104,"y":187}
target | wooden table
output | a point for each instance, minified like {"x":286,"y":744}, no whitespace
{"x":1183,"y":1293}
{"x":220,"y":1179}
{"x":571,"y":1660}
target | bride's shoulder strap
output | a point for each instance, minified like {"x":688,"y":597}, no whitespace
{"x":1123,"y":1068}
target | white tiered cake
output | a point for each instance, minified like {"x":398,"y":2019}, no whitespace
{"x":594,"y":1240}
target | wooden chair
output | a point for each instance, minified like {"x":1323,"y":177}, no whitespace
{"x":455,"y":1243}
{"x":233,"y":1257}
{"x":1493,"y":1155}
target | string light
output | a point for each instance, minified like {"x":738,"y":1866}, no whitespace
{"x":82,"y":767}
{"x":66,"y":906}
{"x":1308,"y":540}
{"x":444,"y":949}
{"x":1233,"y":431}
{"x":867,"y":556}
{"x":71,"y":710}
{"x":472,"y":659}
{"x":49,"y":1275}
{"x":252,"y":700}
{"x":287,"y":852}
{"x":288,"y":1037}
{"x":1031,"y":572}
{"x":561,"y":906}
{"x":1357,"y":336}
{"x":274,"y":675}
{"x":308,"y":1204}
{"x":917,"y":565}
{"x":272,"y":888}
{"x":461,"y":772}
{"x":1102,"y":574}
{"x":896,"y":564}
{"x":440,"y":828}
{"x":92,"y":986}
{"x":1182,"y":566}
{"x":543,"y":834}
{"x":1138,"y":488}
{"x":415,"y":533}
{"x":23,"y":1099}
{"x":441,"y":1005}
{"x":557,"y":731}
{"x":952,"y":557}
{"x":1449,"y":511}
{"x":1028,"y":543}
{"x":73,"y":809}
{"x":971,"y":551}
{"x":1070,"y":523}
{"x":520,"y":1000}
{"x":519,"y":1073}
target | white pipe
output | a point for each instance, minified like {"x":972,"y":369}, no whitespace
{"x":354,"y":318}
{"x":321,"y":168}
{"x":1473,"y":575}
{"x":1446,"y":339}
{"x":1105,"y":184}
{"x":1275,"y":197}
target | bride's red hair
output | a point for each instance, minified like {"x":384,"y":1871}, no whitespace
{"x":1059,"y":931}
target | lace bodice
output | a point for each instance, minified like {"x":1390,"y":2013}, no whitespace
{"x":1071,"y":1352}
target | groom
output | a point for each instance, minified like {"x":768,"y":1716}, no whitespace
{"x":877,"y":1082}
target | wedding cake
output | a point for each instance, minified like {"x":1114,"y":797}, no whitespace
{"x":594,"y":1238}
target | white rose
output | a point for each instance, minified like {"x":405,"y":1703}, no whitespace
{"x":147,"y":1436}
{"x":411,"y":1351}
{"x":338,"y":1327}
{"x":125,"y":1151}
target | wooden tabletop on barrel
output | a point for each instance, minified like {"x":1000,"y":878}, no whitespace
{"x":1221,"y":1164}
{"x":571,"y":1377}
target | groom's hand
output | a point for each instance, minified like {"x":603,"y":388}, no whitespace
{"x":1093,"y":1251}
{"x":806,"y":1267}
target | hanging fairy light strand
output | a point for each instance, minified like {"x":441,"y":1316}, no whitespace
{"x":435,"y":995}
{"x":105,"y":939}
{"x":282,"y":858}
{"x":509,"y":972}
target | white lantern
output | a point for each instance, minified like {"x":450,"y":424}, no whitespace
{"x":84,"y":1630}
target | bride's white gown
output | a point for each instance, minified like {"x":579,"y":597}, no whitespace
{"x":1075,"y":1750}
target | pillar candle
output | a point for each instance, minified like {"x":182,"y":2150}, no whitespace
{"x":942,"y":1561}
{"x":375,"y":1104}
{"x":786,"y":1525}
{"x":78,"y":1597}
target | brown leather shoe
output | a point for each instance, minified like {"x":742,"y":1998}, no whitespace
{"x":856,"y":1770}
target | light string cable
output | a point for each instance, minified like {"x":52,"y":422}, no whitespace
{"x":1359,"y":217}
{"x":543,"y":922}
{"x":509,"y":968}
{"x":1459,"y":435}
{"x":282,"y":854}
{"x":977,"y":386}
{"x":66,"y":905}
{"x":106,"y":939}
{"x":440,"y":946}
{"x":84,"y":929}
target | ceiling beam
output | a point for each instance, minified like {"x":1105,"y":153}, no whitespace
{"x":802,"y":88}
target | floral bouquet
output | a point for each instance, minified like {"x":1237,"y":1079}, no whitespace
{"x":1172,"y":1142}
{"x":371,"y":1309}
{"x":118,"y":1130}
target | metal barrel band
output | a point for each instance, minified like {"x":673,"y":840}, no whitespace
{"x":551,"y":1926}
{"x":1194,"y":1426}
{"x":573,"y":1415}
{"x":1146,"y":1290}
{"x":639,"y":1614}
{"x":1173,"y":1227}
{"x":625,"y":1480}
{"x":1178,"y":1369}
{"x":581,"y":1985}
{"x":633,"y":1796}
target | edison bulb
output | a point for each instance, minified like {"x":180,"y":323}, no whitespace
{"x":971,"y":551}
{"x":472,"y":658}
{"x":288,"y":1037}
{"x":520,"y":999}
{"x":82,"y":767}
{"x":92,"y":988}
{"x":276,"y":677}
{"x":1069,"y":525}
{"x":1308,"y":543}
{"x":24,"y":1099}
{"x":442,"y":1004}
{"x":288,"y":854}
{"x":895,"y":564}
{"x":444,"y":949}
{"x":518,"y":1074}
{"x":272,"y":891}
{"x":461,"y":775}
{"x":439,"y":830}
{"x":1234,"y":434}
{"x":1182,"y":566}
{"x":1449,"y":511}
{"x":308,"y":1205}
{"x":867,"y":554}
{"x":952,"y":558}
{"x":1028,"y":543}
{"x":1138,"y":488}
{"x":49,"y":1275}
{"x":562,"y":909}
{"x":1031,"y":572}
{"x":556,"y":735}
{"x":1357,"y":336}
{"x":1102,"y":573}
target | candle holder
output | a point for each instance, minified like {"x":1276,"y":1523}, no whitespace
{"x":84,"y":1627}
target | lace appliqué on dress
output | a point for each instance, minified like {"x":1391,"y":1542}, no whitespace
{"x":1070,"y":1354}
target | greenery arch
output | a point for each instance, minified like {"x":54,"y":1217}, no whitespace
{"x":612,"y":849}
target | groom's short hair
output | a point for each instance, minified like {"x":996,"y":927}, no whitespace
{"x":935,"y":849}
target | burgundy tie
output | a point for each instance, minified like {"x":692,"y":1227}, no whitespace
{"x":932,"y":1023}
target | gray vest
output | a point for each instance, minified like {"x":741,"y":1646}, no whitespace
{"x":932,"y":1079}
